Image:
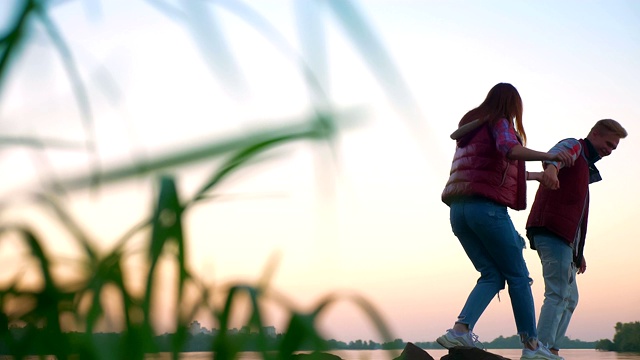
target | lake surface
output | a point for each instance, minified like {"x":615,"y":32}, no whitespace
{"x":514,"y":354}
{"x":577,"y":354}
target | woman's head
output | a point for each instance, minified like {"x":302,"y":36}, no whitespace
{"x":502,"y":101}
{"x":505,"y":100}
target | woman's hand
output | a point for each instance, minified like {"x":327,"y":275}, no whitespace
{"x":549,"y":180}
{"x":564,"y":157}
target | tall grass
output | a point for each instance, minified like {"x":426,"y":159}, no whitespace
{"x":47,"y":313}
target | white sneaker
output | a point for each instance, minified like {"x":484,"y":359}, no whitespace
{"x":541,"y":353}
{"x":451,"y":339}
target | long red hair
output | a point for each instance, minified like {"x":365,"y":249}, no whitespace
{"x":502,"y":101}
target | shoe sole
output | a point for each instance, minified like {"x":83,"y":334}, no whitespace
{"x":540,"y":358}
{"x":447,"y":344}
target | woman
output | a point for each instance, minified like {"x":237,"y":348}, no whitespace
{"x":487,"y":176}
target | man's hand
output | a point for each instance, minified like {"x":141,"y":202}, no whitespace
{"x":583,"y":266}
{"x":549,"y":178}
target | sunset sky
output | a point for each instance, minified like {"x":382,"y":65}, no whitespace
{"x":364,"y":217}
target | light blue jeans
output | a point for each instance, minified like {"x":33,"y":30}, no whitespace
{"x":560,"y":288}
{"x":493,"y":245}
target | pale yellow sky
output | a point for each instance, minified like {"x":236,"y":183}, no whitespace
{"x":373,"y":223}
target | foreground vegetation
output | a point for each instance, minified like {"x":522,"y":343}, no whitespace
{"x":45,"y":313}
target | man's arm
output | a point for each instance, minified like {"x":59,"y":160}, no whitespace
{"x":549,"y":176}
{"x":570,"y":146}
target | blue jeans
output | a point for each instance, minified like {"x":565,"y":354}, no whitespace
{"x":560,"y":288}
{"x":493,"y":245}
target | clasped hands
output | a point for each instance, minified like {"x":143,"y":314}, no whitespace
{"x":549,"y":177}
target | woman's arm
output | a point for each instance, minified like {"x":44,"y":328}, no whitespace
{"x":519,"y":152}
{"x":543,"y":178}
{"x":571,"y":146}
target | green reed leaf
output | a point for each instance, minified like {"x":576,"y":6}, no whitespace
{"x":50,"y":301}
{"x":300,"y":331}
{"x":166,"y":234}
{"x":224,"y":347}
{"x":374,"y":54}
{"x":78,"y":87}
{"x":69,"y":223}
{"x":321,"y":127}
{"x":14,"y":39}
{"x":367,"y":307}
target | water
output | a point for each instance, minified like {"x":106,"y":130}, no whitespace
{"x":514,"y":354}
{"x":568,"y":354}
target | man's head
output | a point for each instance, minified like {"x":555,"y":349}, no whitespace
{"x":605,"y":136}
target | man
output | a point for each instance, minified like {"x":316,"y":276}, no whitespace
{"x":557,"y":225}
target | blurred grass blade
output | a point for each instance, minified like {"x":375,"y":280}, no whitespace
{"x":374,"y":315}
{"x":166,"y":230}
{"x":312,"y":41}
{"x":301,"y":332}
{"x":166,"y":222}
{"x":122,"y":241}
{"x":386,"y":72}
{"x":39,"y":143}
{"x":322,"y":127}
{"x":41,"y":165}
{"x":255,"y":319}
{"x":14,"y":39}
{"x":79,"y":90}
{"x":317,"y":129}
{"x":223,"y":346}
{"x":241,"y":159}
{"x":107,"y":270}
{"x":368,"y":309}
{"x":374,"y":54}
{"x":268,"y":272}
{"x":50,"y":301}
{"x":70,"y":225}
{"x":270,"y":32}
{"x":210,"y":39}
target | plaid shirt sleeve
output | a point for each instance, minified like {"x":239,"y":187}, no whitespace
{"x":571,"y":145}
{"x":505,"y":136}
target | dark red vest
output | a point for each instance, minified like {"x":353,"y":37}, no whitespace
{"x":479,"y":169}
{"x":565,"y":211}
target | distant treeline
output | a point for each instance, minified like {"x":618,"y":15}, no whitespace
{"x":626,"y":339}
{"x":512,"y":342}
{"x":203,"y":342}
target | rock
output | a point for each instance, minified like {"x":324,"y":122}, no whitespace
{"x":316,"y":355}
{"x":412,"y":352}
{"x":471,"y":353}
